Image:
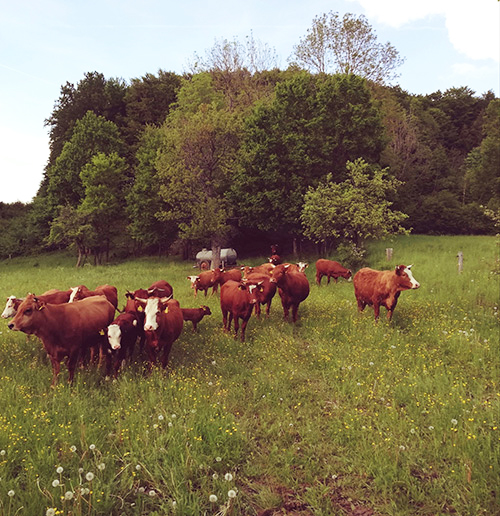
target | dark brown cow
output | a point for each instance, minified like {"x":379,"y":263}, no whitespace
{"x":293,"y":288}
{"x":275,"y":259}
{"x":382,"y":288}
{"x":205,"y":280}
{"x":237,"y":301}
{"x":82,"y":292}
{"x":266,"y":289}
{"x":66,"y":330}
{"x":122,"y":335}
{"x":331,"y":269}
{"x":52,"y":296}
{"x":162,"y":326}
{"x":195,"y":315}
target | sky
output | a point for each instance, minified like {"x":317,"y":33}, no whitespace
{"x":46,"y":43}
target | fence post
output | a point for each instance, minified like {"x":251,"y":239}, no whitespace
{"x":460,"y":257}
{"x":388,"y":253}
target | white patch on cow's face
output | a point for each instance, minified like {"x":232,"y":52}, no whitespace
{"x":74,"y":290}
{"x":193,"y":280}
{"x":9,"y":310}
{"x":150,"y":322}
{"x":114,"y":336}
{"x":413,"y":281}
{"x":302,"y":266}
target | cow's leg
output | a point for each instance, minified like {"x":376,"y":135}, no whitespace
{"x":295,"y":309}
{"x":318,"y":278}
{"x":243,"y":328}
{"x":166,"y":353}
{"x":328,"y":276}
{"x":224,"y":319}
{"x":361,"y":304}
{"x":257,"y":310}
{"x":236,"y":326}
{"x":376,"y":309}
{"x":56,"y":367}
{"x":72,"y":361}
{"x":268,"y":308}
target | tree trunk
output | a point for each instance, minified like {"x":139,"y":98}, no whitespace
{"x":295,"y":249}
{"x":216,"y":247}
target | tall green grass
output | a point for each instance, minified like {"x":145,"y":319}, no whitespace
{"x":333,"y":415}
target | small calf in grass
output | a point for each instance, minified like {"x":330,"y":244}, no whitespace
{"x":195,"y":315}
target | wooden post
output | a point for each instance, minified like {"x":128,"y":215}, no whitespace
{"x":388,"y":253}
{"x":460,"y":257}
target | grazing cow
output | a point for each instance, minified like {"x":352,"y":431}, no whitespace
{"x":265,"y":291}
{"x":122,"y":336}
{"x":205,"y":280}
{"x":293,"y":288}
{"x":195,"y":315}
{"x":382,"y":288}
{"x":330,"y":269}
{"x":275,"y":259}
{"x":237,"y":301}
{"x":66,"y":330}
{"x":52,"y":296}
{"x":162,"y":326}
{"x":82,"y":292}
{"x":265,"y":268}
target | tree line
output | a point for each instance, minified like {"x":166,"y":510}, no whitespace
{"x":322,"y":152}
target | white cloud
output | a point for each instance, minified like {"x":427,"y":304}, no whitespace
{"x":473,"y":27}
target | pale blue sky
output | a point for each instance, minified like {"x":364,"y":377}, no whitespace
{"x":45,"y":43}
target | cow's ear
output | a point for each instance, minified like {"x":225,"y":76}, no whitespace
{"x":399,"y":269}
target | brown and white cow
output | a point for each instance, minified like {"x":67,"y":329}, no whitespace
{"x":53,"y":296}
{"x":66,"y":330}
{"x":163,"y":324}
{"x":331,"y":269}
{"x":205,"y":280}
{"x":266,"y":289}
{"x":82,"y":292}
{"x":237,"y":301}
{"x":293,"y":288}
{"x":195,"y":315}
{"x":382,"y":288}
{"x":122,"y":335}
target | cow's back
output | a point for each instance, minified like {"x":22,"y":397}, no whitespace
{"x":370,"y":282}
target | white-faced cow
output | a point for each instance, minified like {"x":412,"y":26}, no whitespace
{"x":382,"y":288}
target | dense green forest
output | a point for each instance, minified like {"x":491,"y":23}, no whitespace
{"x":238,"y":152}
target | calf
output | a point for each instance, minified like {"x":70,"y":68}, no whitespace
{"x":237,"y":301}
{"x":195,"y":315}
{"x":330,"y":269}
{"x":266,"y":289}
{"x":66,"y":330}
{"x":82,"y":292}
{"x":122,"y":335}
{"x":382,"y":288}
{"x":162,"y":326}
{"x":293,"y":288}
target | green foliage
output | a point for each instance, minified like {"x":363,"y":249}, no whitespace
{"x":346,"y":45}
{"x":354,"y":210}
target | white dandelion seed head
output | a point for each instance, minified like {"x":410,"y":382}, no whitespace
{"x":68,"y":495}
{"x":218,"y":459}
{"x":402,"y":448}
{"x":50,"y":512}
{"x":80,"y":470}
{"x":2,"y":452}
{"x":231,"y":493}
{"x":454,"y":422}
{"x":138,"y":467}
{"x":173,"y":416}
{"x":11,"y":493}
{"x":101,"y":466}
{"x":142,"y":489}
{"x":215,"y":476}
{"x":89,"y":476}
{"x":228,"y":477}
{"x":59,"y":470}
{"x":92,"y":447}
{"x":160,"y":418}
{"x":73,"y":448}
{"x":212,"y":498}
{"x":431,"y":428}
{"x":55,"y":483}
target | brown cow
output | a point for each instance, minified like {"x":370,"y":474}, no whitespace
{"x":230,"y":274}
{"x":275,"y":259}
{"x":52,"y":296}
{"x":66,"y":330}
{"x":195,"y":315}
{"x":205,"y":280}
{"x":237,"y":301}
{"x":162,"y":326}
{"x":382,"y":288}
{"x":265,"y":268}
{"x":266,"y":289}
{"x":293,"y":288}
{"x":331,"y":269}
{"x":82,"y":292}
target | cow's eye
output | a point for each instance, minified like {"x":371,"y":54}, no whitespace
{"x":28,"y":311}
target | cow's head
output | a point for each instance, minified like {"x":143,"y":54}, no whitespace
{"x":115,"y":335}
{"x":11,"y":307}
{"x":206,"y":310}
{"x":193,"y":280}
{"x":279,"y":272}
{"x":153,"y":307}
{"x":302,"y":266}
{"x":27,"y":315}
{"x":405,"y":277}
{"x":347,"y":274}
{"x":77,"y":293}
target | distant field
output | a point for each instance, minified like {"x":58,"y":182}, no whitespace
{"x":335,"y":415}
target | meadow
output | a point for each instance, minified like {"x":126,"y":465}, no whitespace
{"x":335,"y":415}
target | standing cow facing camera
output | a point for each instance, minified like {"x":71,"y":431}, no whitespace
{"x":382,"y":288}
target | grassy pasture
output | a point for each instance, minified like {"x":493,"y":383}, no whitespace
{"x":335,"y":415}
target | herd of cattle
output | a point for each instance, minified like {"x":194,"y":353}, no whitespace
{"x":80,"y":324}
